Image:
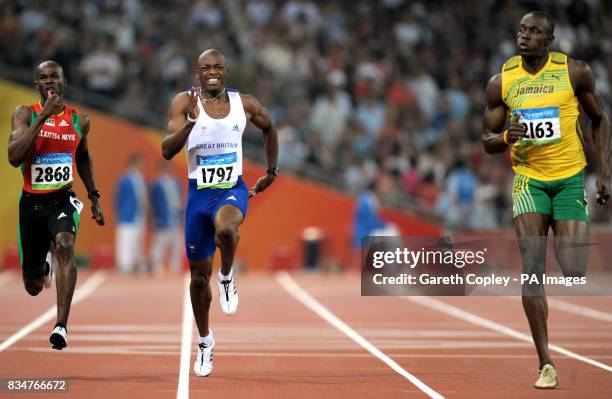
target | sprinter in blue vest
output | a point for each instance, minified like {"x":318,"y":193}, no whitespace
{"x":208,"y":122}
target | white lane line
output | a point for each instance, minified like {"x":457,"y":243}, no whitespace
{"x":81,"y":293}
{"x":491,"y":325}
{"x":183,"y":384}
{"x":569,"y":307}
{"x":135,"y":328}
{"x":573,"y":308}
{"x":302,"y":296}
{"x":131,"y":351}
{"x":5,"y":277}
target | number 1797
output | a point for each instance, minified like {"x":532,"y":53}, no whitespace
{"x":222,"y":173}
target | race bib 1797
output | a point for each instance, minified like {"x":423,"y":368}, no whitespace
{"x":51,"y":171}
{"x":541,"y":124}
{"x":218,"y":170}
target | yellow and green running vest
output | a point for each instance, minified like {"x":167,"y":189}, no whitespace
{"x":548,"y":107}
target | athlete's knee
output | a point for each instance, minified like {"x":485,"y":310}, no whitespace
{"x":531,"y":278}
{"x":532,"y":290}
{"x":199,"y":278}
{"x":33,"y":287}
{"x":64,"y":245}
{"x":226,"y":235}
{"x":573,"y":263}
{"x":200,"y":282}
{"x":574,"y":272}
{"x":533,"y":266}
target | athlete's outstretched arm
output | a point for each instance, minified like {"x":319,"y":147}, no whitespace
{"x":84,"y":166}
{"x":179,"y":127}
{"x":23,"y":135}
{"x":261,"y":118}
{"x":584,"y":87}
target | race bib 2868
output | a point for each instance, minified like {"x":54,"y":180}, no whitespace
{"x":51,"y":171}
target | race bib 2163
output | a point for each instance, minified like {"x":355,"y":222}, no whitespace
{"x":541,"y":124}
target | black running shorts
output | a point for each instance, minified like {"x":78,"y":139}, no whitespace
{"x":41,"y":218}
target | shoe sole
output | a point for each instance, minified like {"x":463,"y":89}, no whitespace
{"x":57,"y":341}
{"x":546,"y":386}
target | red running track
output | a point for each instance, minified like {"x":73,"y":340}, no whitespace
{"x":125,"y":342}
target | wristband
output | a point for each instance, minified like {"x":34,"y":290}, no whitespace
{"x":506,"y":137}
{"x":93,"y":194}
{"x":189,"y":119}
{"x":272,"y":171}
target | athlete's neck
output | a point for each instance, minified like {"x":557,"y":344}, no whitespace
{"x":533,"y":64}
{"x":213,"y":95}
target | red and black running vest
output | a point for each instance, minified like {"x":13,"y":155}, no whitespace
{"x":52,"y":164}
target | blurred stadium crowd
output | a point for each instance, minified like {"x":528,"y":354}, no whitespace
{"x":390,"y":92}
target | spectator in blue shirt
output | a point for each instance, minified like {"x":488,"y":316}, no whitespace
{"x":367,"y":220}
{"x":131,"y":206}
{"x":167,"y":207}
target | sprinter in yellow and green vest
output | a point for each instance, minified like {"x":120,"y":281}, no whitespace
{"x":539,"y":92}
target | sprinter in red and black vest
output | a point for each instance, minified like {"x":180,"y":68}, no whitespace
{"x":49,"y":139}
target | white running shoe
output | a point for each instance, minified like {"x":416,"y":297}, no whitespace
{"x":548,"y":378}
{"x":203,"y":365}
{"x":59,"y":338}
{"x":50,"y":277}
{"x":228,"y":296}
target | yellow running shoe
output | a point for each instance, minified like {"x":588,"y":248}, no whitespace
{"x":548,"y":378}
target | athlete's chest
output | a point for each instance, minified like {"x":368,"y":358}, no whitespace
{"x":550,"y":87}
{"x":229,"y":127}
{"x":57,"y":133}
{"x":217,"y":110}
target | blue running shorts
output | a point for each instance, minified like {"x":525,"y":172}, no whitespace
{"x":202,"y":206}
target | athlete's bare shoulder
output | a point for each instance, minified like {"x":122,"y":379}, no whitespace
{"x":85,"y":124}
{"x":23,"y":112}
{"x":577,"y":65}
{"x":22,"y":117}
{"x":495,"y":81}
{"x":581,"y":75}
{"x":179,"y":102}
{"x":251,"y":105}
{"x":182,"y":95}
{"x":182,"y":98}
{"x":494,"y":88}
{"x":256,"y":113}
{"x":249,"y":102}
